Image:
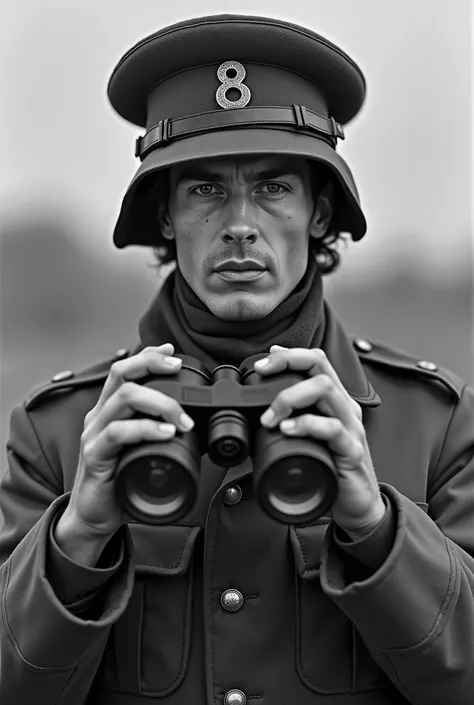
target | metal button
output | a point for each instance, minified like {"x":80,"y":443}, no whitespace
{"x":426,"y":365}
{"x":363,"y":345}
{"x":232,"y":600}
{"x":235,"y":697}
{"x":62,"y":376}
{"x":120,"y":354}
{"x":232,"y":495}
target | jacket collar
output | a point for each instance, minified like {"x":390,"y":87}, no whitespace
{"x":339,"y":349}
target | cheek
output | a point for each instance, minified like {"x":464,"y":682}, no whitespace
{"x":296,"y":232}
{"x":191,"y":221}
{"x":293,"y":245}
{"x":192,"y":237}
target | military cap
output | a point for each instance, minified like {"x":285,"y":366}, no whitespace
{"x":232,"y":85}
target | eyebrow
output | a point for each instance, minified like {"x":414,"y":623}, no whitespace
{"x":266,"y":175}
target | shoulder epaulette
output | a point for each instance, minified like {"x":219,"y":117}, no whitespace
{"x":377,"y":354}
{"x":69,"y":380}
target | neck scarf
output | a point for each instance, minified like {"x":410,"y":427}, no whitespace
{"x":179,"y":317}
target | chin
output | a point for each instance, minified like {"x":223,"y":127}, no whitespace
{"x":241,"y":307}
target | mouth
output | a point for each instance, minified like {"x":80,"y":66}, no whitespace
{"x":240,"y":266}
{"x":240,"y":270}
{"x":241,"y":274}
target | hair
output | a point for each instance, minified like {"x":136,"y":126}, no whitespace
{"x":324,"y":249}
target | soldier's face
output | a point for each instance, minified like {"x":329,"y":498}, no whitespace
{"x":223,"y":211}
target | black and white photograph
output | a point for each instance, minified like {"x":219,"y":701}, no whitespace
{"x":237,"y":353}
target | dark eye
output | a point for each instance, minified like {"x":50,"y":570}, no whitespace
{"x":204,"y":190}
{"x":274,"y":189}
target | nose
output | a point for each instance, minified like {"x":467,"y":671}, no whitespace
{"x":239,"y":226}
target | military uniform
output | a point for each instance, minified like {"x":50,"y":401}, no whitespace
{"x":231,"y":606}
{"x":228,"y":606}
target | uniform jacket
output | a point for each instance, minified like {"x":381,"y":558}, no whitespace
{"x":385,"y":620}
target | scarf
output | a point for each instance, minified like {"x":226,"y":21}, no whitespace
{"x":178,"y":316}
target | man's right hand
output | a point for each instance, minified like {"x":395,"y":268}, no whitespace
{"x":94,"y":514}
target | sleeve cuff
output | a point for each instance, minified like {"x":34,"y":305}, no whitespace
{"x":75,"y":584}
{"x":43,"y":630}
{"x":371,"y":550}
{"x":420,"y":580}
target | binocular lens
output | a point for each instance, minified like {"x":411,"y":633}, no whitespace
{"x":157,"y":483}
{"x":295,"y":488}
{"x":295,"y":479}
{"x":158,"y":487}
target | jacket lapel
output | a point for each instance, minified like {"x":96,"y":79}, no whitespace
{"x":342,"y":356}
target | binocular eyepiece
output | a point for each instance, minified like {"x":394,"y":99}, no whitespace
{"x":294,"y":479}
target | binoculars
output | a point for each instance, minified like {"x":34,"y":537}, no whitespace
{"x":294,"y":479}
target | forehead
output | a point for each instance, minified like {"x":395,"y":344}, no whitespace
{"x":250,"y":164}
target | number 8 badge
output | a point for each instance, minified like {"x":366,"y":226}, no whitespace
{"x":232,"y":82}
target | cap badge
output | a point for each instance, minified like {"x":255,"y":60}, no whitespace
{"x":231,"y":74}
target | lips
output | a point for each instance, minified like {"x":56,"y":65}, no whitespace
{"x":240,"y":266}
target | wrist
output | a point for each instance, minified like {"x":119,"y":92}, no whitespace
{"x":77,"y":544}
{"x":368,"y":524}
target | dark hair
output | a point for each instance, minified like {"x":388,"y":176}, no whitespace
{"x":325,"y":249}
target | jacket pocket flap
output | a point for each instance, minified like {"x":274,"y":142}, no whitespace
{"x":307,"y":543}
{"x":163,"y":550}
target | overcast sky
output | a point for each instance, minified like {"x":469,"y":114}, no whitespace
{"x":410,"y":149}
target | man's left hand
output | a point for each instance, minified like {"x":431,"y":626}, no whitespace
{"x":359,"y":506}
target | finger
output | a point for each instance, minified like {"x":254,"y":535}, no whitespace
{"x":131,"y":398}
{"x":313,"y":361}
{"x":297,"y":359}
{"x":326,"y":368}
{"x":318,"y":390}
{"x":151,"y":360}
{"x":322,"y":428}
{"x":121,"y":433}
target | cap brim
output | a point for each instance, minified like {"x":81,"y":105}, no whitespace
{"x":137,"y":221}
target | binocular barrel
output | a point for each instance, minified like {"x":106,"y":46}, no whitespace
{"x":294,"y":479}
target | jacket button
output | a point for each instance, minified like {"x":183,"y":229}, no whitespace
{"x":232,"y":600}
{"x":425,"y":365}
{"x":62,"y":376}
{"x":363,"y":345}
{"x":235,"y":697}
{"x":232,"y":495}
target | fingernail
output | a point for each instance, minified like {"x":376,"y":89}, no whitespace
{"x":167,"y":428}
{"x":186,"y":422}
{"x":262,"y":363}
{"x":287,"y":425}
{"x":267,"y":417}
{"x":172,"y":361}
{"x":278,"y":347}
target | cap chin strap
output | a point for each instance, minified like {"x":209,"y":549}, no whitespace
{"x":295,"y":117}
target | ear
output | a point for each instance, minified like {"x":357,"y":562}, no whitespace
{"x":164,"y":222}
{"x":323,"y":212}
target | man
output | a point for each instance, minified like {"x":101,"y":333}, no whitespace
{"x":371,"y":602}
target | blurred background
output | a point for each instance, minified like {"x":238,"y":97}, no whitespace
{"x":68,"y":298}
